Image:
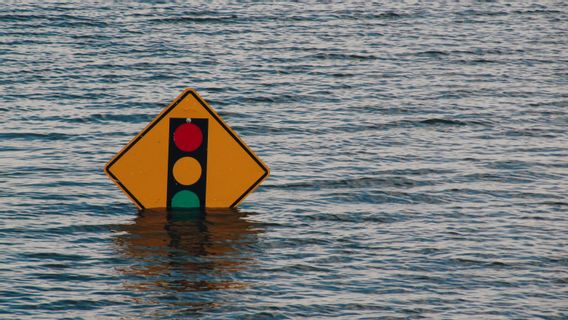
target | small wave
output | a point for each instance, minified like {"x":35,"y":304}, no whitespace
{"x":341,"y":56}
{"x":280,"y":98}
{"x":78,"y":24}
{"x":360,"y":217}
{"x":126,"y":118}
{"x":555,"y":203}
{"x":196,"y":19}
{"x":409,"y":124}
{"x":36,"y":136}
{"x":477,"y":61}
{"x":431,"y":54}
{"x":437,"y":121}
{"x":489,"y":51}
{"x":388,"y":15}
{"x":412,"y":123}
{"x":477,"y":13}
{"x":453,"y":122}
{"x":537,"y":11}
{"x":384,"y":197}
{"x":42,"y":256}
{"x":467,"y":262}
{"x":99,"y":118}
{"x":20,"y":17}
{"x":355,"y":183}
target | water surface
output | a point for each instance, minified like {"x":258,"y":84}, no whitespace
{"x":418,"y":160}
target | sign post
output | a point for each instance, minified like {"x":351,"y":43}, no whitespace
{"x":187,"y":157}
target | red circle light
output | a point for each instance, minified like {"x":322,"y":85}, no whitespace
{"x":188,"y":137}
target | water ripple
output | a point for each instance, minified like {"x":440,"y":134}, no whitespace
{"x":417,"y":153}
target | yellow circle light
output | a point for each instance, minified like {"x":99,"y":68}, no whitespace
{"x":187,"y":171}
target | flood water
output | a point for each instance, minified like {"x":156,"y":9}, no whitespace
{"x":418,"y":156}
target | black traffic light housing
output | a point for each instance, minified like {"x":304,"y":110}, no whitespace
{"x":175,"y":154}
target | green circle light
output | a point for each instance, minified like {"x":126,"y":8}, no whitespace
{"x":185,"y":199}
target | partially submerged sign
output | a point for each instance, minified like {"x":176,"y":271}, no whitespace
{"x":187,"y":157}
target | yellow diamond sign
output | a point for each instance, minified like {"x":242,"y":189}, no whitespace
{"x":187,"y":157}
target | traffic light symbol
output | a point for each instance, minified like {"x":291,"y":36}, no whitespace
{"x":187,"y":163}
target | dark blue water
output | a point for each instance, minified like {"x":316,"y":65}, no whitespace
{"x":419,"y":158}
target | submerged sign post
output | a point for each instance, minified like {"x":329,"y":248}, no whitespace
{"x":187,"y":157}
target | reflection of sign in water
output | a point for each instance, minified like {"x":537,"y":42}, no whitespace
{"x":186,"y":251}
{"x":187,"y":157}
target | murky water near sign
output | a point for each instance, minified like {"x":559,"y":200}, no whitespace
{"x":418,"y":156}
